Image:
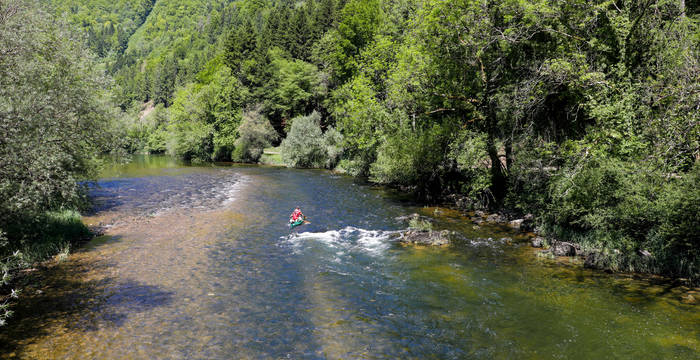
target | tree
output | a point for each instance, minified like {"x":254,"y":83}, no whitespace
{"x":294,"y":88}
{"x":306,"y":146}
{"x":359,"y":20}
{"x":255,"y":134}
{"x":55,"y":118}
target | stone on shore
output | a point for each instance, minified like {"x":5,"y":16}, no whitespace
{"x":593,"y":261}
{"x":496,"y":218}
{"x":562,"y":248}
{"x":524,"y":224}
{"x":537,"y":242}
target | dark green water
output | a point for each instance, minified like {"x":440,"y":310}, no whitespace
{"x":198,"y":263}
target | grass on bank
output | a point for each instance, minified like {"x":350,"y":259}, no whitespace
{"x":272,"y":156}
{"x":51,"y":235}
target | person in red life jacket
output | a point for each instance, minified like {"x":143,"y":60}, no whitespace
{"x":296,"y":215}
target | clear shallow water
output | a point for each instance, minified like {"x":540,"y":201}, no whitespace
{"x":199,"y":263}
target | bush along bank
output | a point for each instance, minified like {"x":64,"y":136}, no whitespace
{"x":43,"y":238}
{"x":654,"y":234}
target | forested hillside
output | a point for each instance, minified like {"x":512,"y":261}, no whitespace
{"x":584,"y":113}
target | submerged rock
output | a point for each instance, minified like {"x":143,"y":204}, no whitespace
{"x":407,"y":218}
{"x":423,"y":237}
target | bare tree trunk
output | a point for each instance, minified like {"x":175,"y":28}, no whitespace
{"x":681,"y":6}
{"x":498,"y":176}
{"x":509,"y":153}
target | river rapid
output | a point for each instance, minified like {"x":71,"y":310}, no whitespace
{"x":199,"y":263}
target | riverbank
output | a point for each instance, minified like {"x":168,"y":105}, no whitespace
{"x":584,"y":246}
{"x":271,"y":156}
{"x":54,"y":235}
{"x":640,"y":261}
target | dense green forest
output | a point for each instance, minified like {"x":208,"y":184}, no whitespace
{"x":584,"y":113}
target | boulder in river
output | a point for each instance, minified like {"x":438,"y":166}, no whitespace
{"x":562,"y":248}
{"x":422,"y":237}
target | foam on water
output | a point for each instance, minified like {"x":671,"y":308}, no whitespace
{"x":350,"y":238}
{"x":142,"y":196}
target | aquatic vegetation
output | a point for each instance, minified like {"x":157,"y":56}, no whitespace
{"x":420,"y":224}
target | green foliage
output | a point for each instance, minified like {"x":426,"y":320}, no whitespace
{"x":362,"y":119}
{"x":359,"y":20}
{"x":54,"y":114}
{"x":677,"y":233}
{"x":108,"y":23}
{"x":333,"y":143}
{"x":192,"y":141}
{"x":306,"y":146}
{"x":55,"y":118}
{"x":417,"y":223}
{"x":468,"y":149}
{"x":398,"y":159}
{"x":414,"y":159}
{"x":255,"y":134}
{"x":211,"y":111}
{"x":294,"y":87}
{"x":172,"y":44}
{"x":611,"y":205}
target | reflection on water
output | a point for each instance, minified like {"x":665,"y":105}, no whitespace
{"x":203,"y":265}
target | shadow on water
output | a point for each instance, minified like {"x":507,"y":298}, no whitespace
{"x":65,"y":298}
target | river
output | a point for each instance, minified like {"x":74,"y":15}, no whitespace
{"x":198,"y":263}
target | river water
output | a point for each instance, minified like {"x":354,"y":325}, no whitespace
{"x":198,"y":263}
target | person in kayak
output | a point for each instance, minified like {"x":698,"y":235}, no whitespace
{"x":296,"y":215}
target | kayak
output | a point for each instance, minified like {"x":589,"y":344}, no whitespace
{"x":299,"y":221}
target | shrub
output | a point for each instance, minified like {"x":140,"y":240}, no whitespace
{"x":254,"y":135}
{"x":677,"y":235}
{"x":34,"y":239}
{"x":420,"y":224}
{"x":416,"y":159}
{"x":397,"y":159}
{"x":350,"y":166}
{"x":306,"y":146}
{"x":468,"y":149}
{"x":333,"y":145}
{"x":625,"y":210}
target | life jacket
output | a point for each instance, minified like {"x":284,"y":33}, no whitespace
{"x":296,"y":215}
